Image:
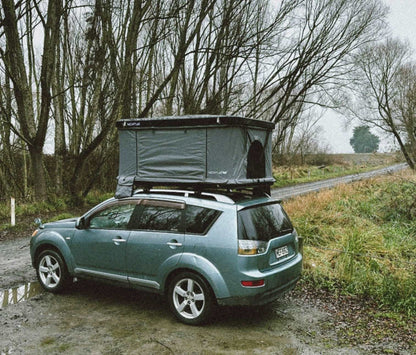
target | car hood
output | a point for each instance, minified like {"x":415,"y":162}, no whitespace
{"x":63,"y":223}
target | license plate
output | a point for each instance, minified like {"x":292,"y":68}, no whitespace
{"x":281,"y":252}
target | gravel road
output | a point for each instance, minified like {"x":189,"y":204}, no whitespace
{"x":301,"y":189}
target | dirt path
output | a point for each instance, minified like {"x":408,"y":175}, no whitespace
{"x":99,"y":319}
{"x":15,"y":266}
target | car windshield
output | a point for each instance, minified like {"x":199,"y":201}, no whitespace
{"x":263,"y":222}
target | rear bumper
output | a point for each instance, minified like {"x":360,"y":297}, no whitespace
{"x":277,"y":282}
{"x":258,"y":299}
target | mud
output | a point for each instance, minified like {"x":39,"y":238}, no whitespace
{"x":19,"y":294}
{"x":93,"y":318}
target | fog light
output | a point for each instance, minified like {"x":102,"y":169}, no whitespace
{"x":253,"y":283}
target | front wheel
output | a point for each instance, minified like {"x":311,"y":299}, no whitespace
{"x":51,"y":271}
{"x":190,"y":298}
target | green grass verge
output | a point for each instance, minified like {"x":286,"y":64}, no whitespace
{"x":360,"y":239}
{"x":52,"y":209}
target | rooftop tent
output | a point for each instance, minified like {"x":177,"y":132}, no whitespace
{"x":201,"y":151}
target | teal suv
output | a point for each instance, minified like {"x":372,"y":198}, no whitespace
{"x":198,"y":249}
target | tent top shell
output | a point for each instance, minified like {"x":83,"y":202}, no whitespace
{"x":199,"y":151}
{"x":193,"y":121}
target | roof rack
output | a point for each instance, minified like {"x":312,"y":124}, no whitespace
{"x":188,"y":193}
{"x":220,"y":194}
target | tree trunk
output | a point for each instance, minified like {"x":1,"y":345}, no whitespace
{"x":32,"y":128}
{"x":403,"y":148}
{"x":36,"y":159}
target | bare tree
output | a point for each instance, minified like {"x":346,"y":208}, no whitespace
{"x":32,"y":115}
{"x":103,"y":60}
{"x":406,"y":105}
{"x":312,"y":57}
{"x":385,"y":92}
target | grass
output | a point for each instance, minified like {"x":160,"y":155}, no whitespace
{"x":360,"y":239}
{"x":52,"y":209}
{"x":47,"y":341}
{"x":32,"y":208}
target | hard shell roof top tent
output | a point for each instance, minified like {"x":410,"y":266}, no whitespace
{"x":200,"y":152}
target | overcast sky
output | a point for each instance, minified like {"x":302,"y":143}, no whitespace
{"x":402,"y":21}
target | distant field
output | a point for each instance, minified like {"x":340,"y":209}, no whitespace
{"x":367,"y":159}
{"x":330,"y":166}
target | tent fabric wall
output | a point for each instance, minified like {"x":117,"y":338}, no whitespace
{"x":127,"y":161}
{"x":203,"y":151}
{"x":171,"y":154}
{"x":225,"y":156}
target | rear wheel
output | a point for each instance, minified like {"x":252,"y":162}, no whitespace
{"x":51,"y":271}
{"x":190,"y":298}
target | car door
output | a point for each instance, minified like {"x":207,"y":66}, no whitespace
{"x":155,"y":242}
{"x":99,"y":249}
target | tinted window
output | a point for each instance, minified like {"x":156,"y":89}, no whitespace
{"x":113,"y":217}
{"x":199,"y":219}
{"x":263,"y":222}
{"x":160,"y":217}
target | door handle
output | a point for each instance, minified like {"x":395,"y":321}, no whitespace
{"x":119,"y":240}
{"x":174,"y":244}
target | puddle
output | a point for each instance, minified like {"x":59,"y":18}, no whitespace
{"x":19,"y":294}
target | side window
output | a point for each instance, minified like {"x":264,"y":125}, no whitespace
{"x":160,"y":216}
{"x":198,"y":220}
{"x":113,"y":217}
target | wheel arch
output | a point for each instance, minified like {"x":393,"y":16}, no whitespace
{"x":178,"y":271}
{"x":55,"y":242}
{"x":46,"y":246}
{"x":204,"y":269}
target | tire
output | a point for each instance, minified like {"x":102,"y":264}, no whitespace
{"x":51,"y":271}
{"x":190,"y":298}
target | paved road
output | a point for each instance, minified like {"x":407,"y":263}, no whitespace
{"x":285,"y":193}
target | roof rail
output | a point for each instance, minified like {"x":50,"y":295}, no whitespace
{"x":225,"y":195}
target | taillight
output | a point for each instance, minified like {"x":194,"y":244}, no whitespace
{"x":251,"y":247}
{"x":253,"y":283}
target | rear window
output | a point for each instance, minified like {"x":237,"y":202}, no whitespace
{"x":263,"y":222}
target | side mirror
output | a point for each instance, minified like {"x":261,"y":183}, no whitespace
{"x":38,"y":222}
{"x":80,"y":224}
